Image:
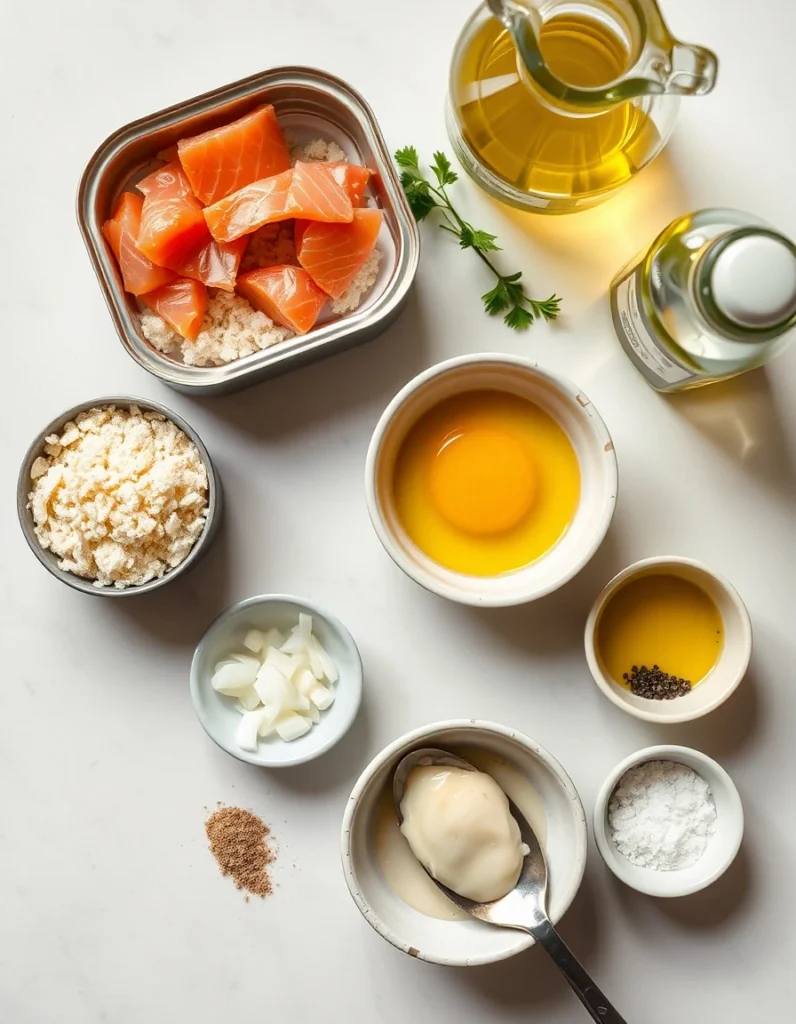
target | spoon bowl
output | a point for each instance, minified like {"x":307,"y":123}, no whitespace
{"x":524,"y":908}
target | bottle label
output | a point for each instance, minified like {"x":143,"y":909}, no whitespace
{"x":640,"y":337}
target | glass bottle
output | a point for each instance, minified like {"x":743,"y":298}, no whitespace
{"x":713,"y":296}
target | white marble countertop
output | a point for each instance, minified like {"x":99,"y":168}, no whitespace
{"x":112,"y":907}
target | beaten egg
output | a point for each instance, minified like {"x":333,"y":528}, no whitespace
{"x":485,"y":483}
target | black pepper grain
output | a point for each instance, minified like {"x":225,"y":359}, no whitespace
{"x":655,"y":684}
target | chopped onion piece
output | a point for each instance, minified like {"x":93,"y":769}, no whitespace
{"x":272,"y":638}
{"x":305,"y":682}
{"x":234,"y":677}
{"x":265,"y":729}
{"x":329,"y":667}
{"x":254,"y":640}
{"x":274,"y":690}
{"x":281,"y":662}
{"x":316,"y":665}
{"x":322,"y":697}
{"x":268,"y":717}
{"x":315,"y":715}
{"x":247,"y":730}
{"x":249,"y":699}
{"x":247,"y":659}
{"x":291,"y":726}
{"x":295,"y":644}
{"x":304,"y":627}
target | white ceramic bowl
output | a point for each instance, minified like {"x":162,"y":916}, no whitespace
{"x":721,"y":849}
{"x":217,"y":713}
{"x":471,"y":942}
{"x":722,"y":679}
{"x":571,"y":409}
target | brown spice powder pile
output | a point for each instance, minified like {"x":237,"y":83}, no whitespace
{"x":239,"y":842}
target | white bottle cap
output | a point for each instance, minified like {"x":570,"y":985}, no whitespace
{"x":753,"y":281}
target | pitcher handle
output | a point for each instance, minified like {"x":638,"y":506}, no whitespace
{"x":692,"y":70}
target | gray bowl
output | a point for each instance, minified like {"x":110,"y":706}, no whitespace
{"x":50,"y":561}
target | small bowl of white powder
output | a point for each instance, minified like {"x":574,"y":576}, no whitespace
{"x":118,"y":497}
{"x":668,"y":821}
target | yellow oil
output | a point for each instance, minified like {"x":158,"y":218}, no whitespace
{"x":485,"y":483}
{"x":537,"y":149}
{"x":660,"y":619}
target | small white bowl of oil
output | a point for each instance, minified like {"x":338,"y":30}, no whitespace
{"x":489,"y":481}
{"x":392,"y":890}
{"x":678,"y":616}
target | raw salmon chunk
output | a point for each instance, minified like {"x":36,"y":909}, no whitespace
{"x":172,"y":223}
{"x":223,"y":160}
{"x":182,"y":304}
{"x":262,"y":202}
{"x":333,"y":254}
{"x":352,"y":178}
{"x":215,"y":263}
{"x":139,"y":274}
{"x":314,"y":194}
{"x":287,"y":294}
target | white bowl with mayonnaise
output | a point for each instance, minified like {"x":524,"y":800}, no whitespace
{"x":391,"y":888}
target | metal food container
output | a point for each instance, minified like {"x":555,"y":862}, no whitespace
{"x":50,"y":560}
{"x":309,"y":104}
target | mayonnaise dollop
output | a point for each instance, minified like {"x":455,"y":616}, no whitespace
{"x":460,"y":828}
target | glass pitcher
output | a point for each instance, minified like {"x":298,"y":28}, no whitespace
{"x":553,"y":104}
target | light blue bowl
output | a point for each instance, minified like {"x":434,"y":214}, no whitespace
{"x":217,"y":712}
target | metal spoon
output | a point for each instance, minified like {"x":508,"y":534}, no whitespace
{"x":525,"y":907}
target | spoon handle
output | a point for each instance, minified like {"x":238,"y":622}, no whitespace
{"x":579,"y":981}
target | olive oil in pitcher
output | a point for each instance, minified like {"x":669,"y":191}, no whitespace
{"x":532,"y":146}
{"x":547,"y":111}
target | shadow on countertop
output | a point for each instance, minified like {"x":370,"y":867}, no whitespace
{"x":740,"y":418}
{"x":711,"y":909}
{"x":303,"y":399}
{"x":530,"y":980}
{"x":556,"y":623}
{"x":179,"y":613}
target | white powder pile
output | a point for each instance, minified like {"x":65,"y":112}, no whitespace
{"x":662,"y":815}
{"x":231,"y":328}
{"x":120,"y":497}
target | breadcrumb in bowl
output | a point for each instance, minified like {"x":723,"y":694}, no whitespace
{"x":44,"y":451}
{"x":231,"y":328}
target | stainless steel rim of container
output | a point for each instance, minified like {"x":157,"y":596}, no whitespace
{"x":293,"y":89}
{"x":50,"y":561}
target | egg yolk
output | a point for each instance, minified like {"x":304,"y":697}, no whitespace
{"x":482,"y":481}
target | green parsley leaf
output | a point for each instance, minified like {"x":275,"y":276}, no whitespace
{"x":418,"y":194}
{"x":496,"y":300}
{"x":407,"y":157}
{"x":471,"y":238}
{"x":548,"y":309}
{"x":518,"y":319}
{"x":441,"y":166}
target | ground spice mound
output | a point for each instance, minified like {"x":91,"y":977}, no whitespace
{"x":239,"y":842}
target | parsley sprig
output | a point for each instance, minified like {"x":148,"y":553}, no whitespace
{"x":423,"y":196}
